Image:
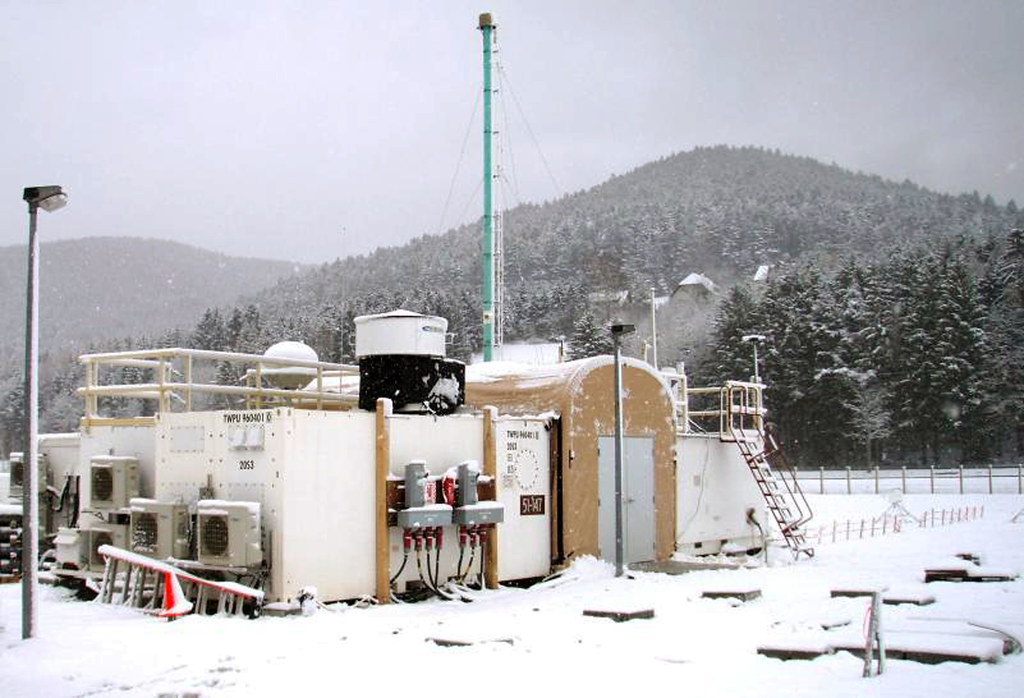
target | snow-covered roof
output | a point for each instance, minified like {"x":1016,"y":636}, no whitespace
{"x":534,"y":354}
{"x":390,"y":314}
{"x":695,"y":280}
{"x":608,"y":296}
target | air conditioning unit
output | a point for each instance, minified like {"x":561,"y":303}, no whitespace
{"x":228,"y":533}
{"x":159,"y":529}
{"x":105,"y":534}
{"x":114,"y":480}
{"x":17,"y":482}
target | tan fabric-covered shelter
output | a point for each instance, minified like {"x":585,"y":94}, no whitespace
{"x":581,"y":396}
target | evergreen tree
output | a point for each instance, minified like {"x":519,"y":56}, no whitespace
{"x":589,"y":339}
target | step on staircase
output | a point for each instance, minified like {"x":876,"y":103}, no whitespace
{"x":156,"y":587}
{"x":742,"y":423}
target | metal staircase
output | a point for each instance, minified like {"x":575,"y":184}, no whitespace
{"x":742,"y":422}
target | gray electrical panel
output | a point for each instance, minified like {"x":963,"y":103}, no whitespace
{"x":469,"y":511}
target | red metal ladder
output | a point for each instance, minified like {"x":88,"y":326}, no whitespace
{"x":742,"y":423}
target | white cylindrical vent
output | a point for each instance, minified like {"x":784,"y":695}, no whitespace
{"x":400,"y":332}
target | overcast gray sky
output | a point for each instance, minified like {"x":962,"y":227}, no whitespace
{"x":308,"y":130}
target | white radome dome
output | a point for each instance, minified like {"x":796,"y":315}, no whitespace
{"x":297,"y":351}
{"x":289,"y":377}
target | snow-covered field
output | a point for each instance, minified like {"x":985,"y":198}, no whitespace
{"x":537,"y":642}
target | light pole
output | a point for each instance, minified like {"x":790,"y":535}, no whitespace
{"x":654,"y":332}
{"x":755,"y":339}
{"x":49,"y":198}
{"x":618,"y":332}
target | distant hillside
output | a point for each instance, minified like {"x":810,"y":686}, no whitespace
{"x":720,"y":210}
{"x":93,"y":290}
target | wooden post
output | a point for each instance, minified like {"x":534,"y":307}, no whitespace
{"x":834,"y":523}
{"x":491,"y":471}
{"x":961,"y":479}
{"x":383,"y":585}
{"x":821,"y":477}
{"x":990,"y":478}
{"x":1020,"y":478}
{"x":848,"y":489}
{"x":874,"y":637}
{"x":903,"y":477}
{"x":931,"y":476}
{"x":876,"y":479}
{"x":862,"y":527}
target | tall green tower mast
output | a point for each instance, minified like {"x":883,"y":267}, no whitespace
{"x":488,"y":28}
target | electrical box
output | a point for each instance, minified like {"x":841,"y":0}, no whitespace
{"x":229,"y":533}
{"x":71,"y":548}
{"x":159,"y":529}
{"x":105,"y":534}
{"x":114,"y":480}
{"x":469,"y":511}
{"x":421,"y":509}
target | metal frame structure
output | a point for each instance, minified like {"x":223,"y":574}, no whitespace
{"x":166,"y":390}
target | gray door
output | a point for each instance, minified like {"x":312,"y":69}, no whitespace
{"x":638,"y":498}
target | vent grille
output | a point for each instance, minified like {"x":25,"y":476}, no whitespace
{"x":215,"y":535}
{"x":144,"y":533}
{"x":17,"y":474}
{"x":102,"y":484}
{"x":99,"y":538}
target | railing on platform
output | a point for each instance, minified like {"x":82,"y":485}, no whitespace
{"x":735,"y":408}
{"x":172,"y":386}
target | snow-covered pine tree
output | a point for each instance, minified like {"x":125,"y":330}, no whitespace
{"x":589,"y":338}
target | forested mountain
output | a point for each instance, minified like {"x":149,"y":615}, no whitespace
{"x":96,"y":289}
{"x":851,"y":371}
{"x":720,"y":210}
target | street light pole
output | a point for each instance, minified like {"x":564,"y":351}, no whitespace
{"x":619,"y":331}
{"x":49,"y":199}
{"x":754,"y":339}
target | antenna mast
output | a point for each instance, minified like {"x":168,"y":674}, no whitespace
{"x":487,"y":27}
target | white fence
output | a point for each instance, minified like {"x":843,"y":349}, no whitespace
{"x":959,"y":480}
{"x":889,"y":524}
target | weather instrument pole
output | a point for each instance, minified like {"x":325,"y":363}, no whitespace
{"x":487,"y":27}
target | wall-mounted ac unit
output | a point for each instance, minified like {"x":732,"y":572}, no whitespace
{"x":113,"y":480}
{"x":105,"y":534}
{"x":159,"y":529}
{"x":17,"y":482}
{"x":228,"y":533}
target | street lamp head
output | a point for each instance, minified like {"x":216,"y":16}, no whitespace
{"x":48,"y":198}
{"x":622,"y":330}
{"x":755,"y":338}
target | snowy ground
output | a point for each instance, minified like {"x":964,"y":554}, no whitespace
{"x":696,"y":646}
